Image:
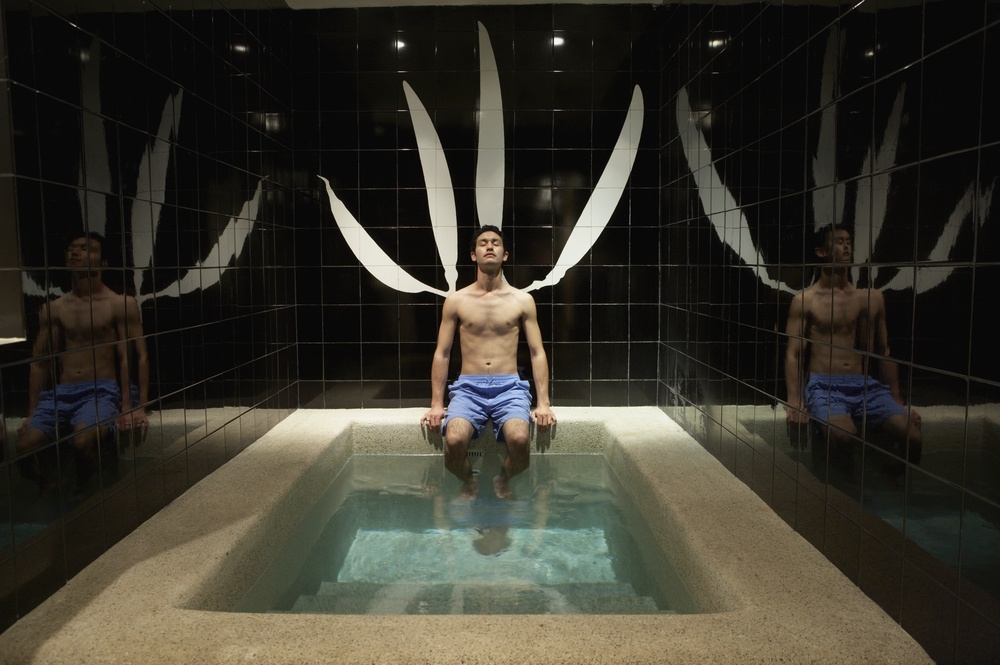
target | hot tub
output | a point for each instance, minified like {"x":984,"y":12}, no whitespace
{"x":163,"y":594}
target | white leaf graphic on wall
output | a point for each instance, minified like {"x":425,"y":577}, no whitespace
{"x":489,"y":187}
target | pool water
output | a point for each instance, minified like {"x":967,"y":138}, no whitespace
{"x":392,"y":536}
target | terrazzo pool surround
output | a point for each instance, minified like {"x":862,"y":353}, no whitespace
{"x":159,"y":595}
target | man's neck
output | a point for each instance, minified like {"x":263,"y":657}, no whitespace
{"x":490,"y":282}
{"x":87,"y":284}
{"x":834,"y":278}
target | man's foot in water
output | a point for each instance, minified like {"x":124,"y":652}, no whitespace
{"x":469,"y":489}
{"x":501,"y":488}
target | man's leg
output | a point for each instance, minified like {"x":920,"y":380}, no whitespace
{"x":516,"y":435}
{"x":830,"y":404}
{"x":838,"y":434}
{"x":30,"y":439}
{"x":85,"y":444}
{"x":94,"y":404}
{"x":906,"y":432}
{"x":457,"y":436}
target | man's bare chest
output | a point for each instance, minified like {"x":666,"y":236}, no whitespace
{"x":837,"y":311}
{"x":489,"y":316}
{"x":86,"y":322}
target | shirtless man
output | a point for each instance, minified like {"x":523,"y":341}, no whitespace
{"x":489,"y":315}
{"x":90,"y":332}
{"x":840,"y":326}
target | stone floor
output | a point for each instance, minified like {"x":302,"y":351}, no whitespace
{"x":162,"y":594}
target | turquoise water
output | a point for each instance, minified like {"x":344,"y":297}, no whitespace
{"x":393,"y":536}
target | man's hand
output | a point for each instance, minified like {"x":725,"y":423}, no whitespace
{"x":133,"y":420}
{"x":543,"y":417}
{"x":796,"y":414}
{"x":432,"y":419}
{"x":23,"y":427}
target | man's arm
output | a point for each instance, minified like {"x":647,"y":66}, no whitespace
{"x":41,"y":369}
{"x":130,"y":339}
{"x":888,"y":370}
{"x":542,"y":414}
{"x":441,"y":363}
{"x":797,"y":344}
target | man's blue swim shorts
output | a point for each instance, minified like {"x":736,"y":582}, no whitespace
{"x":481,"y":397}
{"x":854,"y":395}
{"x":73,"y":404}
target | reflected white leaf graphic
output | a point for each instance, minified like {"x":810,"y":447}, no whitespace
{"x":489,"y":187}
{"x":828,"y":195}
{"x":150,"y":188}
{"x":872,"y":192}
{"x":926,"y":278}
{"x":732,"y":227}
{"x":717,"y":202}
{"x":147,"y":203}
{"x":230,"y":245}
{"x":95,"y":170}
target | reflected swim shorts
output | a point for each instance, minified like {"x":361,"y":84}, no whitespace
{"x":73,"y":404}
{"x":852,"y":395}
{"x":481,"y":397}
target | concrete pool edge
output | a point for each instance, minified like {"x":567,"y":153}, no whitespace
{"x":774,"y":596}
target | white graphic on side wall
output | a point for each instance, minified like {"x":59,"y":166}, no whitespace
{"x":148,"y":200}
{"x":730,"y":223}
{"x":489,"y":187}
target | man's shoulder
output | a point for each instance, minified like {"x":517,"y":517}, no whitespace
{"x":111,"y":298}
{"x":872,"y":295}
{"x":461,"y":294}
{"x":520,"y":294}
{"x":59,"y":303}
{"x":806,"y":294}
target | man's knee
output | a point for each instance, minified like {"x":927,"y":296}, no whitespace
{"x":457,"y":437}
{"x":516,"y":433}
{"x":838,"y":431}
{"x":30,"y":439}
{"x":518,"y":442}
{"x":84,"y":439}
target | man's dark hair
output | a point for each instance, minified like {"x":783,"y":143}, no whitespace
{"x":89,"y":235}
{"x":827,"y":232}
{"x":483,"y":229}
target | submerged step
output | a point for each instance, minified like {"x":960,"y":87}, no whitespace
{"x":372,"y":598}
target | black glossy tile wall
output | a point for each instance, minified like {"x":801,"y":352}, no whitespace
{"x":776,"y":120}
{"x":563,"y":110}
{"x":167,"y":131}
{"x":666,"y":307}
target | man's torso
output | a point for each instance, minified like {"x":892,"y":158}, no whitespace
{"x":839,"y":325}
{"x":489,"y":328}
{"x":87,"y":330}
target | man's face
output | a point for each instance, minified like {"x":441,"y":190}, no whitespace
{"x":489,"y":249}
{"x":84,"y":253}
{"x":839,"y":247}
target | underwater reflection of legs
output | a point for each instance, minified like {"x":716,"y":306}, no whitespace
{"x":492,"y":541}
